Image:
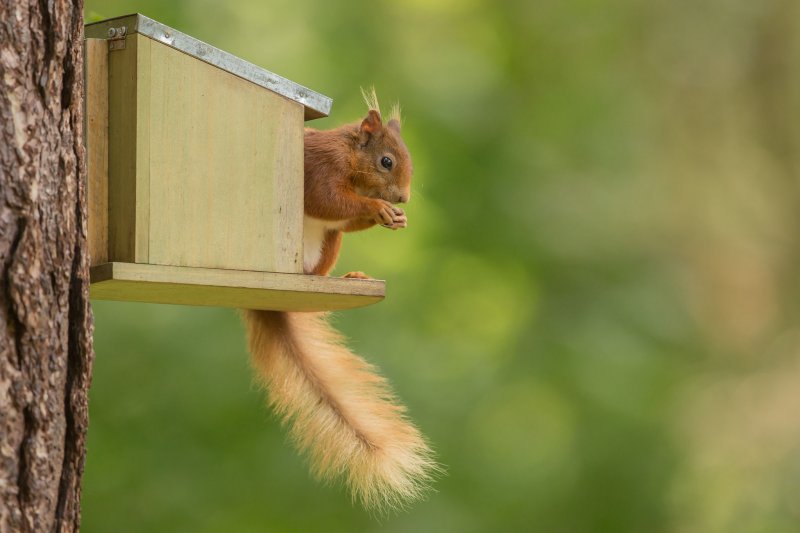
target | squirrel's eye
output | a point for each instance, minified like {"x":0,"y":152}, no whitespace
{"x":386,"y":163}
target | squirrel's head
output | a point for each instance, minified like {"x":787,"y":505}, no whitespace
{"x":383,"y":166}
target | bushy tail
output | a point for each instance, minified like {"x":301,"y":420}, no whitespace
{"x":341,"y":414}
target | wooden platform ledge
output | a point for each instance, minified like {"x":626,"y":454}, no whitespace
{"x":231,"y":288}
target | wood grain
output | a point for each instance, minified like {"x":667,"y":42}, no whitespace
{"x":122,"y":147}
{"x":226,"y":164}
{"x":96,"y":69}
{"x":144,"y":46}
{"x":287,"y":189}
{"x":231,"y":288}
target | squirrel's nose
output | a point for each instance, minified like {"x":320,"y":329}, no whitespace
{"x":402,"y":198}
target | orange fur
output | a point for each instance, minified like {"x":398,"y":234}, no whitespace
{"x":341,"y":413}
{"x":330,"y":253}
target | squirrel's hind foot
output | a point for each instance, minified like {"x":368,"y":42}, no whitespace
{"x":356,"y":275}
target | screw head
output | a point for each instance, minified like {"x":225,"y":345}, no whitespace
{"x":112,"y":32}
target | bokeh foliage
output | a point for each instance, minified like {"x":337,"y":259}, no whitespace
{"x":593,"y":313}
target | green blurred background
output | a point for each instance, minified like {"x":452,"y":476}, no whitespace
{"x":593,"y":314}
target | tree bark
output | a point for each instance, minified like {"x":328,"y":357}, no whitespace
{"x":45,"y":320}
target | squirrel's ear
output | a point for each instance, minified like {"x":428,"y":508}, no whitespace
{"x":370,"y":125}
{"x":394,"y":124}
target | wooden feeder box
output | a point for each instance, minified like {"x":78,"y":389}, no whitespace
{"x":196,"y":176}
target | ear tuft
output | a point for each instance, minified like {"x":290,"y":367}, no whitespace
{"x":395,"y":114}
{"x":371,"y":99}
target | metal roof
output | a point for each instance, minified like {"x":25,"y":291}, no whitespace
{"x":316,"y":105}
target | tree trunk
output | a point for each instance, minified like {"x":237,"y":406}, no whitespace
{"x":45,"y":319}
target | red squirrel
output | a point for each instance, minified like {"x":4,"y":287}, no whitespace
{"x":341,"y":414}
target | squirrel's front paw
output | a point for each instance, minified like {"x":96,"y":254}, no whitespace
{"x":399,"y":219}
{"x":356,"y":275}
{"x":383,"y":212}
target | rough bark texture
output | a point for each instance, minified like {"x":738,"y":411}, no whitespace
{"x":45,"y":320}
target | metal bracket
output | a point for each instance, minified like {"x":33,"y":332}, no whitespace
{"x":116,"y":38}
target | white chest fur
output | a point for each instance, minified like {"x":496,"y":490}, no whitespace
{"x":314,"y":230}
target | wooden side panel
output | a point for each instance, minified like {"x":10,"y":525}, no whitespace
{"x":122,"y":144}
{"x":143,"y":109}
{"x":96,"y":65}
{"x":231,"y":288}
{"x":226,"y":159}
{"x":287,"y":209}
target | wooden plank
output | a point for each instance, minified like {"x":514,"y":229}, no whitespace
{"x":143,"y":110}
{"x":122,"y":164}
{"x":287,"y":191}
{"x":230,"y":288}
{"x":96,"y":69}
{"x":226,"y":162}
